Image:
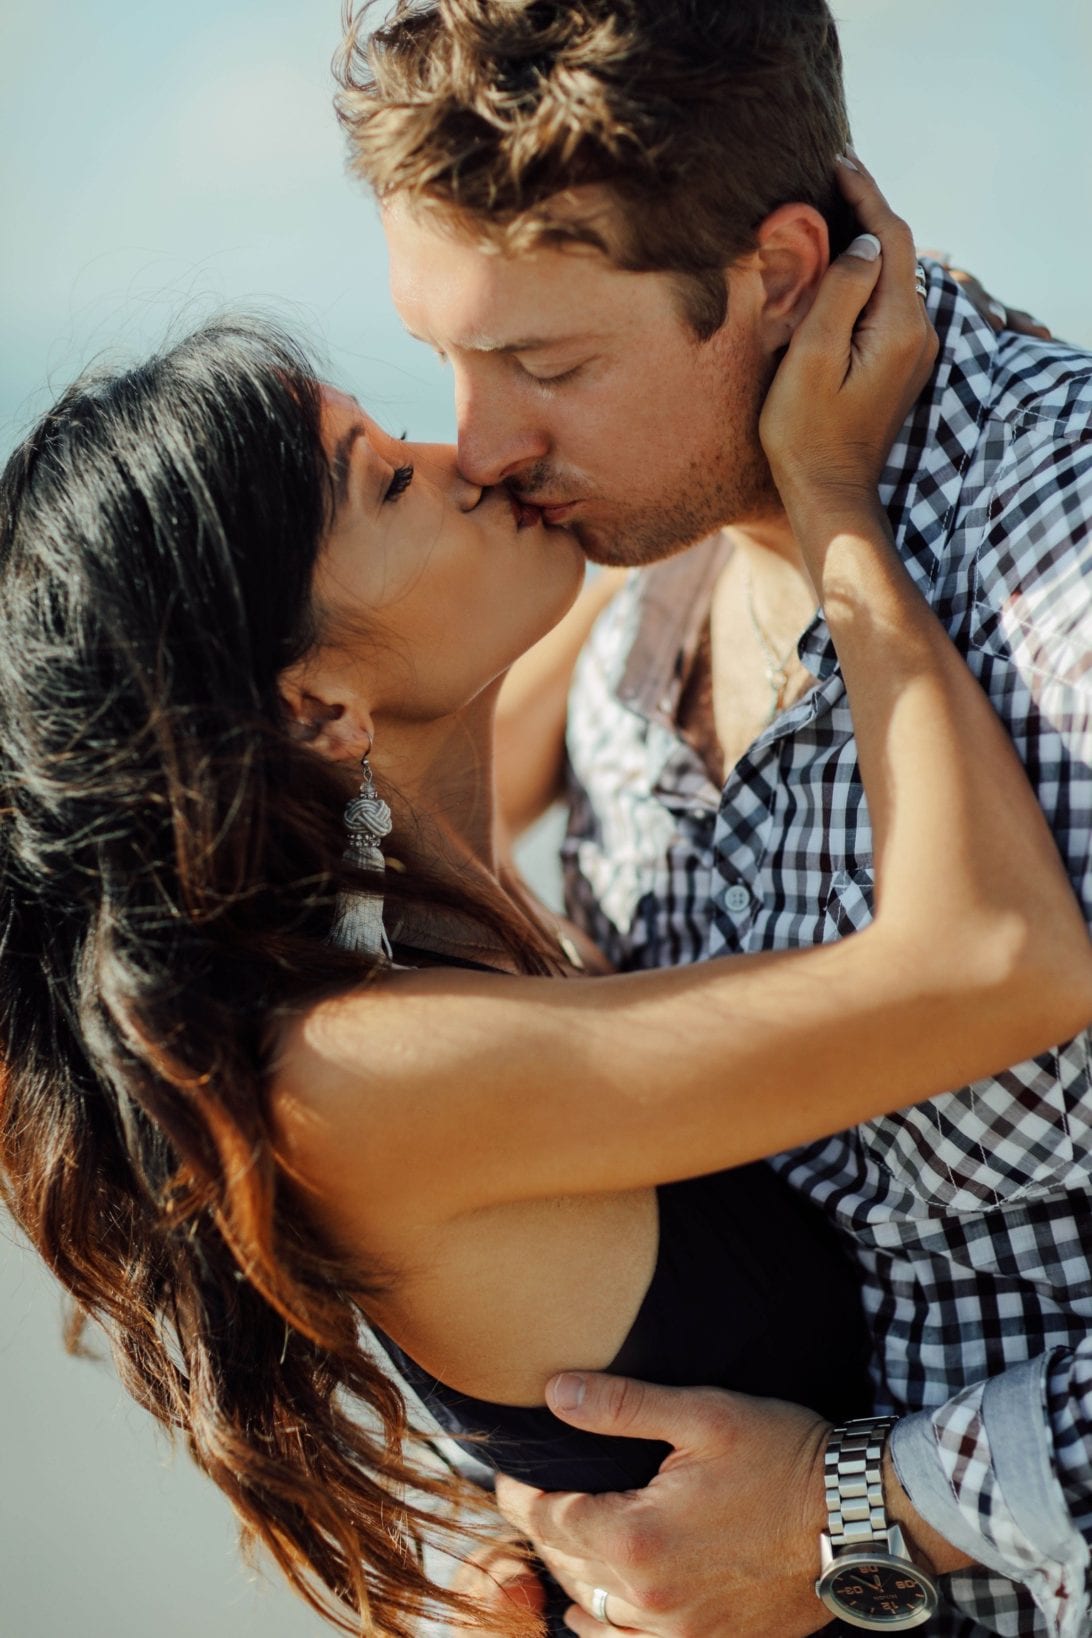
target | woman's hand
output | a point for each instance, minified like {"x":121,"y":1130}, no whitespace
{"x":997,"y":315}
{"x":855,"y":365}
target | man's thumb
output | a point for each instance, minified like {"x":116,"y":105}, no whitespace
{"x":621,"y":1407}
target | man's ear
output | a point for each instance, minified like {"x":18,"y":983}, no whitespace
{"x":338,"y":729}
{"x":793,"y":255}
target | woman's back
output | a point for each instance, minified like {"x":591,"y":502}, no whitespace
{"x":751,"y":1290}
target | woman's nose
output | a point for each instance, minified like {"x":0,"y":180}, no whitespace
{"x":441,"y":463}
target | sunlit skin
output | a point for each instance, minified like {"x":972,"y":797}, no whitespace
{"x":583,"y":387}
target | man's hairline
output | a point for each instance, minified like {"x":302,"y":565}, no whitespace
{"x":471,"y":228}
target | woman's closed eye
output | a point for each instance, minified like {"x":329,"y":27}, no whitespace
{"x":401,"y":478}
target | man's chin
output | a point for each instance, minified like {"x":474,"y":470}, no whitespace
{"x":637,"y":546}
{"x":638,"y":539}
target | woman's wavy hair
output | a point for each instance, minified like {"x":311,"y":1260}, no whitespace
{"x":169,"y":861}
{"x":699,"y":116}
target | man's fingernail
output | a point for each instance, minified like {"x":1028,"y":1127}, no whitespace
{"x":566,"y":1392}
{"x":844,"y":159}
{"x":866,"y":246}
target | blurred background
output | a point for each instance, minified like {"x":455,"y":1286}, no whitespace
{"x":163,"y":162}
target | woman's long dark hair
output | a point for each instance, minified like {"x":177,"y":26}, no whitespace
{"x":169,"y":857}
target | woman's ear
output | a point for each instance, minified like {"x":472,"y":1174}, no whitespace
{"x":793,"y":255}
{"x":339,"y":730}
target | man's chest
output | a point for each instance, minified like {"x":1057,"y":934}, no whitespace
{"x":753,"y":670}
{"x":736,"y":823}
{"x":666,"y":864}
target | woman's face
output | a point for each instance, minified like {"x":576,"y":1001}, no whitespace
{"x":427,"y":586}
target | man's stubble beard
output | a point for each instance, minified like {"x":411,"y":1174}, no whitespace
{"x":657,"y":532}
{"x":727,"y":483}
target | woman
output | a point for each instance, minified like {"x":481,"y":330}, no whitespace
{"x":219,"y":588}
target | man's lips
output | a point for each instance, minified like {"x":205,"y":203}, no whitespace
{"x":526,"y":514}
{"x":552,"y":511}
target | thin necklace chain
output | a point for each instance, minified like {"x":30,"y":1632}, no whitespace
{"x":774,"y":665}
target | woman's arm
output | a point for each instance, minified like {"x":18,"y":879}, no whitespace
{"x":489,"y":1089}
{"x":530,"y":725}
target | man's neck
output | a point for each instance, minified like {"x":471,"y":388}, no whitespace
{"x":767,"y":543}
{"x":762,"y":601}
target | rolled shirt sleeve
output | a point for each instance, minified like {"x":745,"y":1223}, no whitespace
{"x":1002,"y":1471}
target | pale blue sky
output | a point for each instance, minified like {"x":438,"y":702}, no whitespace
{"x":165,"y":160}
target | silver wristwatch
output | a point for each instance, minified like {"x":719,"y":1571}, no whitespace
{"x":866,"y":1574}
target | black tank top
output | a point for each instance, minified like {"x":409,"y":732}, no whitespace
{"x":752,"y":1291}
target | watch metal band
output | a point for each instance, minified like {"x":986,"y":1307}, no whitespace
{"x":853,"y":1474}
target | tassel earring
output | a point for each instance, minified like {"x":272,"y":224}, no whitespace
{"x":358,"y":918}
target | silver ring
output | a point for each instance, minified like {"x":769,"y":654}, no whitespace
{"x":921,"y":283}
{"x":598,"y":1610}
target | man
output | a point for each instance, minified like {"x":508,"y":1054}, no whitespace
{"x":609,"y":218}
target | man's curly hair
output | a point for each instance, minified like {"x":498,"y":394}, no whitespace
{"x":699,"y":116}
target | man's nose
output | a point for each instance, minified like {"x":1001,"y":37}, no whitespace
{"x":498,"y":437}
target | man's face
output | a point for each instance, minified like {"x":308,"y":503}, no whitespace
{"x":583,"y":388}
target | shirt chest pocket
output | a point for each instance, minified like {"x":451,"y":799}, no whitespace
{"x":1004,"y":1139}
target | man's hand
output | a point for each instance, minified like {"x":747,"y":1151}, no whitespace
{"x":502,"y":1581}
{"x":725,"y":1539}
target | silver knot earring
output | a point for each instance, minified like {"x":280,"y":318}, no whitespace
{"x":358,"y":918}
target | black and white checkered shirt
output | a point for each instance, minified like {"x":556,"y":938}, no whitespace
{"x":970,"y":1216}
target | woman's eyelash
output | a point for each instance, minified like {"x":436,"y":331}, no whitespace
{"x":401,"y":479}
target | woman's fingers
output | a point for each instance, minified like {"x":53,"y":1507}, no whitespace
{"x":876,"y":216}
{"x":847,"y":287}
{"x":996,"y":314}
{"x":863,"y":192}
{"x":897,"y":315}
{"x":858,"y":359}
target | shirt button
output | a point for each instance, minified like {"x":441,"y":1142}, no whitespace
{"x":737,"y":899}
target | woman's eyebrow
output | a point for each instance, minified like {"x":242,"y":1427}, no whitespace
{"x":339,"y":464}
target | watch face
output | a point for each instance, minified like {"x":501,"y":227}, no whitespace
{"x":880,"y":1594}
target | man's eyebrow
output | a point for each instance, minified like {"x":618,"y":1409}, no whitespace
{"x":339,"y":464}
{"x":525,"y":344}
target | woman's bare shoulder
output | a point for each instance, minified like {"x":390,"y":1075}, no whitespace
{"x":358,"y":1083}
{"x":332,"y":1073}
{"x":359,"y":1106}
